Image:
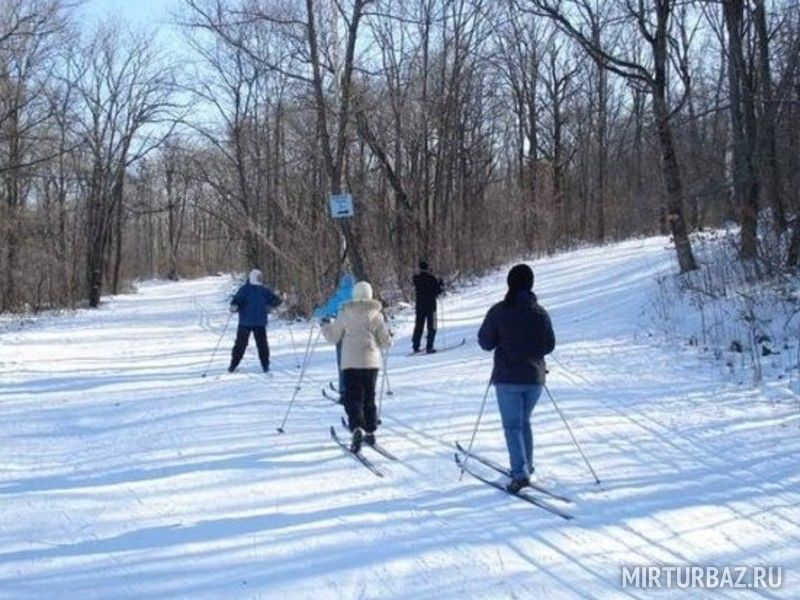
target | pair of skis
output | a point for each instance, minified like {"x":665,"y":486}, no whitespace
{"x":533,"y":494}
{"x":439,"y":350}
{"x":359,"y":456}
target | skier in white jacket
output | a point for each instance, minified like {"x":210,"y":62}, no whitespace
{"x":361,"y":329}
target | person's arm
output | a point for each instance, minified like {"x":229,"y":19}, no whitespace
{"x":328,"y":309}
{"x":236,"y":301}
{"x":333,"y":330}
{"x":439,"y":287}
{"x":273,"y":300}
{"x":487,"y":334}
{"x":548,"y":338}
{"x":381,"y":332}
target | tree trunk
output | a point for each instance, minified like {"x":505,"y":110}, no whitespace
{"x":669,"y":159}
{"x":602,"y":136}
{"x":745,"y":184}
{"x":767,"y":152}
{"x":334,"y":159}
{"x":673,"y":184}
{"x":116,"y":198}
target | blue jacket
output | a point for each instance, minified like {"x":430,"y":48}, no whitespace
{"x":253,"y":303}
{"x":520,"y":335}
{"x":344,"y":293}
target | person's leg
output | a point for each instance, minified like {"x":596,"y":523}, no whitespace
{"x":342,"y":385}
{"x":260,"y":335}
{"x":511,"y":404}
{"x":431,"y":318}
{"x":370,"y":410}
{"x":419,"y":323}
{"x":356,"y":393}
{"x":351,"y":401}
{"x":239,"y":346}
{"x":531,"y":397}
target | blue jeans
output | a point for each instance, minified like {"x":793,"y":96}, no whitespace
{"x":516,"y":403}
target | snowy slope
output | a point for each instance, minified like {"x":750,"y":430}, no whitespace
{"x":125,"y":474}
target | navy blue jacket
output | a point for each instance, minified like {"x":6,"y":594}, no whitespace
{"x":520,"y":335}
{"x":253,"y":303}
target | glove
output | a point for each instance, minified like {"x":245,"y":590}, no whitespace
{"x":233,"y":308}
{"x":325,"y":320}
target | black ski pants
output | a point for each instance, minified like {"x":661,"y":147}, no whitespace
{"x":240,"y":345}
{"x":424,"y":318}
{"x":359,"y":398}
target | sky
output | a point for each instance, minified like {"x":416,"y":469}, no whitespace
{"x":136,"y":12}
{"x":154,"y":16}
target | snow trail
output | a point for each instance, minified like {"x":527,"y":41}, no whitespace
{"x":124,"y":474}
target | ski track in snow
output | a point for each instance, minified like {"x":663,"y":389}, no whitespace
{"x":125,"y":474}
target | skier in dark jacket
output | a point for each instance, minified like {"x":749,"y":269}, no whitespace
{"x":519,"y":331}
{"x":427,"y":289}
{"x":252,"y":301}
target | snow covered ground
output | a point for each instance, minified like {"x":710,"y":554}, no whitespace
{"x":125,"y":474}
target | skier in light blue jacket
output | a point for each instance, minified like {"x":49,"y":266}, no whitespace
{"x":329,"y":310}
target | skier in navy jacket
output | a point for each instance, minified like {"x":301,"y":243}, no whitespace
{"x":252,"y":301}
{"x":519,"y":331}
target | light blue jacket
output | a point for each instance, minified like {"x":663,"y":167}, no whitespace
{"x":343,"y":293}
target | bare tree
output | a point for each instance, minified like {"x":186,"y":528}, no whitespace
{"x":29,"y":37}
{"x":125,"y":93}
{"x":653,"y":23}
{"x":558,"y":81}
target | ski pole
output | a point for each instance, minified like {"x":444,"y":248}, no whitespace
{"x":442,"y":321}
{"x":306,"y":361}
{"x":475,"y":430}
{"x":389,"y":390}
{"x":294,"y":346}
{"x":384,"y":379}
{"x":574,"y":439}
{"x":219,"y":341}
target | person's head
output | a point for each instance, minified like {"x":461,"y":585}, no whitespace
{"x":362,"y":291}
{"x":423,"y":265}
{"x":256,"y":277}
{"x":519,"y":280}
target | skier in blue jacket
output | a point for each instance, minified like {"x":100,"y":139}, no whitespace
{"x":329,"y":310}
{"x":252,"y":301}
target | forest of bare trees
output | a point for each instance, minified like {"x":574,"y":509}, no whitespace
{"x":469,"y":132}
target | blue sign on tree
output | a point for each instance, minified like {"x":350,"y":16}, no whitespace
{"x":341,"y":206}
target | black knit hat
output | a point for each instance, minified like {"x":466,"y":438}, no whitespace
{"x":520,"y":278}
{"x":423,"y":265}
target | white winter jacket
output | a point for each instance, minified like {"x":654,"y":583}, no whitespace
{"x":362,"y":331}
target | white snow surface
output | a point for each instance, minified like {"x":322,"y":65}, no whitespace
{"x":125,"y":474}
